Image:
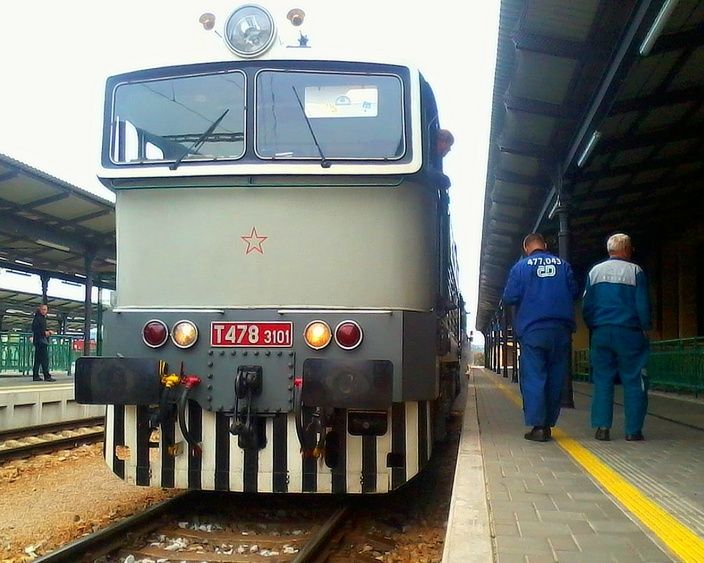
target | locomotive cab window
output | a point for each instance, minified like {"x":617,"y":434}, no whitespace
{"x":192,"y":118}
{"x":329,"y":115}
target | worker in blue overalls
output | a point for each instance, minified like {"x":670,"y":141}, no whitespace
{"x":616,"y":309}
{"x":543,"y":289}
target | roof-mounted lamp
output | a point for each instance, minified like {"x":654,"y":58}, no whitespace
{"x":54,"y":245}
{"x":656,"y":29}
{"x":588,"y":149}
{"x":296,"y":17}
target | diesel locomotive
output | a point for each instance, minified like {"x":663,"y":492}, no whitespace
{"x":287,"y":316}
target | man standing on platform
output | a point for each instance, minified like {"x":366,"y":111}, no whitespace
{"x":616,"y":309}
{"x":543,"y":289}
{"x":40,"y":339}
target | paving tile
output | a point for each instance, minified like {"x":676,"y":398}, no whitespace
{"x":563,"y":543}
{"x":525,"y":546}
{"x":560,"y":516}
{"x":542,"y":529}
{"x":545,"y":508}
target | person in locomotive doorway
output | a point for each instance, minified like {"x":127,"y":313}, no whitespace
{"x":616,"y":308}
{"x":543,"y":289}
{"x":40,"y":339}
{"x":444,"y":143}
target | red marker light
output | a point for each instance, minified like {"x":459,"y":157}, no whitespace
{"x":298,"y":382}
{"x":348,"y":335}
{"x":155,"y":333}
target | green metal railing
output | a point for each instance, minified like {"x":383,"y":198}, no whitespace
{"x":17,"y":353}
{"x":673,"y":365}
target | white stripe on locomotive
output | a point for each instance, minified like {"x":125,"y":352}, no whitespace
{"x":265,"y":480}
{"x":208,"y":443}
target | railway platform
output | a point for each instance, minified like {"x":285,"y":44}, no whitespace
{"x":25,"y":403}
{"x":575,"y":498}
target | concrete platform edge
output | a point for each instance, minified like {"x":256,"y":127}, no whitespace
{"x":468,"y":536}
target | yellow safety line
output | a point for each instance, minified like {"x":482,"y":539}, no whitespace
{"x":684,"y":542}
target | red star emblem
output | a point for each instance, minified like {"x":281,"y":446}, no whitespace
{"x":254,"y":241}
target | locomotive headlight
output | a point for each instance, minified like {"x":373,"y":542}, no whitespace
{"x":184,"y":334}
{"x":250,"y":31}
{"x":317,"y":335}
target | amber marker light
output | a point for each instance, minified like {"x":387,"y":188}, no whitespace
{"x":184,"y":334}
{"x":317,"y":334}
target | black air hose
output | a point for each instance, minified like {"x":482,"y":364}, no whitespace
{"x":182,"y":400}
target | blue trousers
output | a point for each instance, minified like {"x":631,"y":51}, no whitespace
{"x":623,"y":351}
{"x":545,"y":355}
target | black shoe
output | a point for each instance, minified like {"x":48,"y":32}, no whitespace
{"x":538,"y":434}
{"x":36,"y":378}
{"x":49,"y":379}
{"x":602,"y":434}
{"x":637,"y":437}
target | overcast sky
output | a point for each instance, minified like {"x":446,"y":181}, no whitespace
{"x":56,"y":56}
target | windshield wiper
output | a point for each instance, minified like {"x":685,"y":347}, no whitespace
{"x":199,"y":141}
{"x":324,"y":163}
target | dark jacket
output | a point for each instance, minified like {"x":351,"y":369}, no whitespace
{"x":39,"y":329}
{"x":543,"y":288}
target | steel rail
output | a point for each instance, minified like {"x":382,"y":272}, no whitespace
{"x":49,"y":445}
{"x":108,"y":539}
{"x":317,"y":542}
{"x":17,"y":433}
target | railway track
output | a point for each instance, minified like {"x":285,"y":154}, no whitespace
{"x":202,"y":527}
{"x":36,"y":440}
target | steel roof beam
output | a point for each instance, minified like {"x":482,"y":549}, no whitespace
{"x":604,"y":95}
{"x":523,"y":148}
{"x":90,"y":216}
{"x":54,"y":274}
{"x":666,"y":98}
{"x":678,"y":40}
{"x":538,"y":107}
{"x":691,"y":157}
{"x":522,"y":179}
{"x":672,"y":135}
{"x":533,"y":42}
{"x":34,"y":230}
{"x":43,"y":201}
{"x":8,"y":175}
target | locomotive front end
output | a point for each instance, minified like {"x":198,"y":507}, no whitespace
{"x":280,"y":265}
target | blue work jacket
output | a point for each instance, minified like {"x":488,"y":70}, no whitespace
{"x":543,"y":288}
{"x":616,"y":294}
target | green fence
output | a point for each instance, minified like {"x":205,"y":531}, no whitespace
{"x":17,"y":353}
{"x":673,"y":365}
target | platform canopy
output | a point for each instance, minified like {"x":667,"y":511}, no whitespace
{"x":18,"y":308}
{"x":50,"y":227}
{"x":598,"y":118}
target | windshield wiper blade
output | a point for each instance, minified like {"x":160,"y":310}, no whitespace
{"x":324,"y":162}
{"x":199,"y":141}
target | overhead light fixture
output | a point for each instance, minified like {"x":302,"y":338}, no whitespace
{"x":54,"y":245}
{"x":588,"y":149}
{"x":657,"y":27}
{"x":23,"y":263}
{"x":110,"y":261}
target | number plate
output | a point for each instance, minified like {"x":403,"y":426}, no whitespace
{"x":276,"y":334}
